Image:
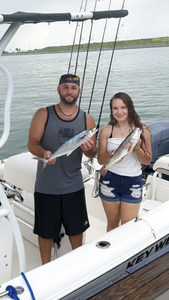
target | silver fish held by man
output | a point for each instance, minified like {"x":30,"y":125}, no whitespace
{"x":69,"y":146}
{"x":123,"y":149}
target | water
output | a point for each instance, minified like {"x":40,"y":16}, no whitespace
{"x":142,"y":73}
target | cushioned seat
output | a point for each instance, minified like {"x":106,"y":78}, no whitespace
{"x":20,"y":170}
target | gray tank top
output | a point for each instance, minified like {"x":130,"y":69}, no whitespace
{"x":65,"y":175}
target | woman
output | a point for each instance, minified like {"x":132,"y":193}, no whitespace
{"x":121,"y":188}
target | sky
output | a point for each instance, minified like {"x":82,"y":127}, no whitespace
{"x":146,"y":19}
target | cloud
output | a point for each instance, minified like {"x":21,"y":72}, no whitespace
{"x":147,"y":18}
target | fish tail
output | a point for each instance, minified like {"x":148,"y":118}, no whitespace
{"x":95,"y":192}
{"x":70,"y":152}
{"x":103,"y":171}
{"x":45,"y":162}
{"x":38,"y":158}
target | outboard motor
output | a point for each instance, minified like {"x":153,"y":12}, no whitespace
{"x":160,"y":145}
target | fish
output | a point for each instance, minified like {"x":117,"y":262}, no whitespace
{"x":69,"y":146}
{"x":95,"y":191}
{"x":123,"y":149}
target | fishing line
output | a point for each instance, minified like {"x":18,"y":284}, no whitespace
{"x":80,"y":38}
{"x":74,"y":39}
{"x":110,"y":65}
{"x":98,"y":61}
{"x":87,"y":52}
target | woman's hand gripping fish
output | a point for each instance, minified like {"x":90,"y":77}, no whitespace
{"x":69,"y":146}
{"x":124,"y":148}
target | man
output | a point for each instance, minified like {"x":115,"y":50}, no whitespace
{"x":59,"y":190}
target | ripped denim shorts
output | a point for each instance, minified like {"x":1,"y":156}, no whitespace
{"x":114,"y":188}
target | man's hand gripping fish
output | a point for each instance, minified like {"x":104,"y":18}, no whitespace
{"x":69,"y":146}
{"x":124,"y":148}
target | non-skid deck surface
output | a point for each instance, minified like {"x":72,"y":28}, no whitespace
{"x":145,"y":284}
{"x":33,"y":259}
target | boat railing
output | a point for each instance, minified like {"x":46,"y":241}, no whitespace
{"x":7,"y":211}
{"x":8,"y":36}
{"x":8,"y":102}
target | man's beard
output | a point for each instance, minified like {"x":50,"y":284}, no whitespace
{"x":68,"y":102}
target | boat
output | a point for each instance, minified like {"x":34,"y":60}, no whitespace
{"x":105,"y":258}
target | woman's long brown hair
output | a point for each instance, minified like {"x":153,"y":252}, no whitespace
{"x":133,"y":117}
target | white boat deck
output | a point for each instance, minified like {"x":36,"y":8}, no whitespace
{"x":33,"y":259}
{"x":155,"y":194}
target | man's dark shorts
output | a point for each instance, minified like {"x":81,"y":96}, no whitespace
{"x":51,"y":211}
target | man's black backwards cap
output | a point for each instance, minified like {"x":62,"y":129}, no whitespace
{"x":69,"y":78}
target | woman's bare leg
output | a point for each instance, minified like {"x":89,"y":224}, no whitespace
{"x":112,"y":210}
{"x":129,"y":211}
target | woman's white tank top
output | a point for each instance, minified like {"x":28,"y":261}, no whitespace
{"x":129,"y":166}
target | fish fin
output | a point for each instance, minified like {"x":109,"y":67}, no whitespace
{"x":103,"y":171}
{"x":129,"y":149}
{"x":70,"y":152}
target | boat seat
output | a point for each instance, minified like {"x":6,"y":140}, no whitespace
{"x":157,"y":190}
{"x":20,"y":171}
{"x":162,"y":165}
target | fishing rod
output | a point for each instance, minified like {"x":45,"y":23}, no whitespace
{"x":108,"y":74}
{"x":80,"y":38}
{"x":87,"y":52}
{"x":98,"y":61}
{"x":74,"y":39}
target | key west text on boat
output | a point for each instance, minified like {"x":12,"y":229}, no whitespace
{"x":105,"y":258}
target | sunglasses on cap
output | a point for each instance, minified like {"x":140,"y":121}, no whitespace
{"x":69,"y":78}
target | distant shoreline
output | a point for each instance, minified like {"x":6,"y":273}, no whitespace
{"x":105,"y":49}
{"x":120,"y":45}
